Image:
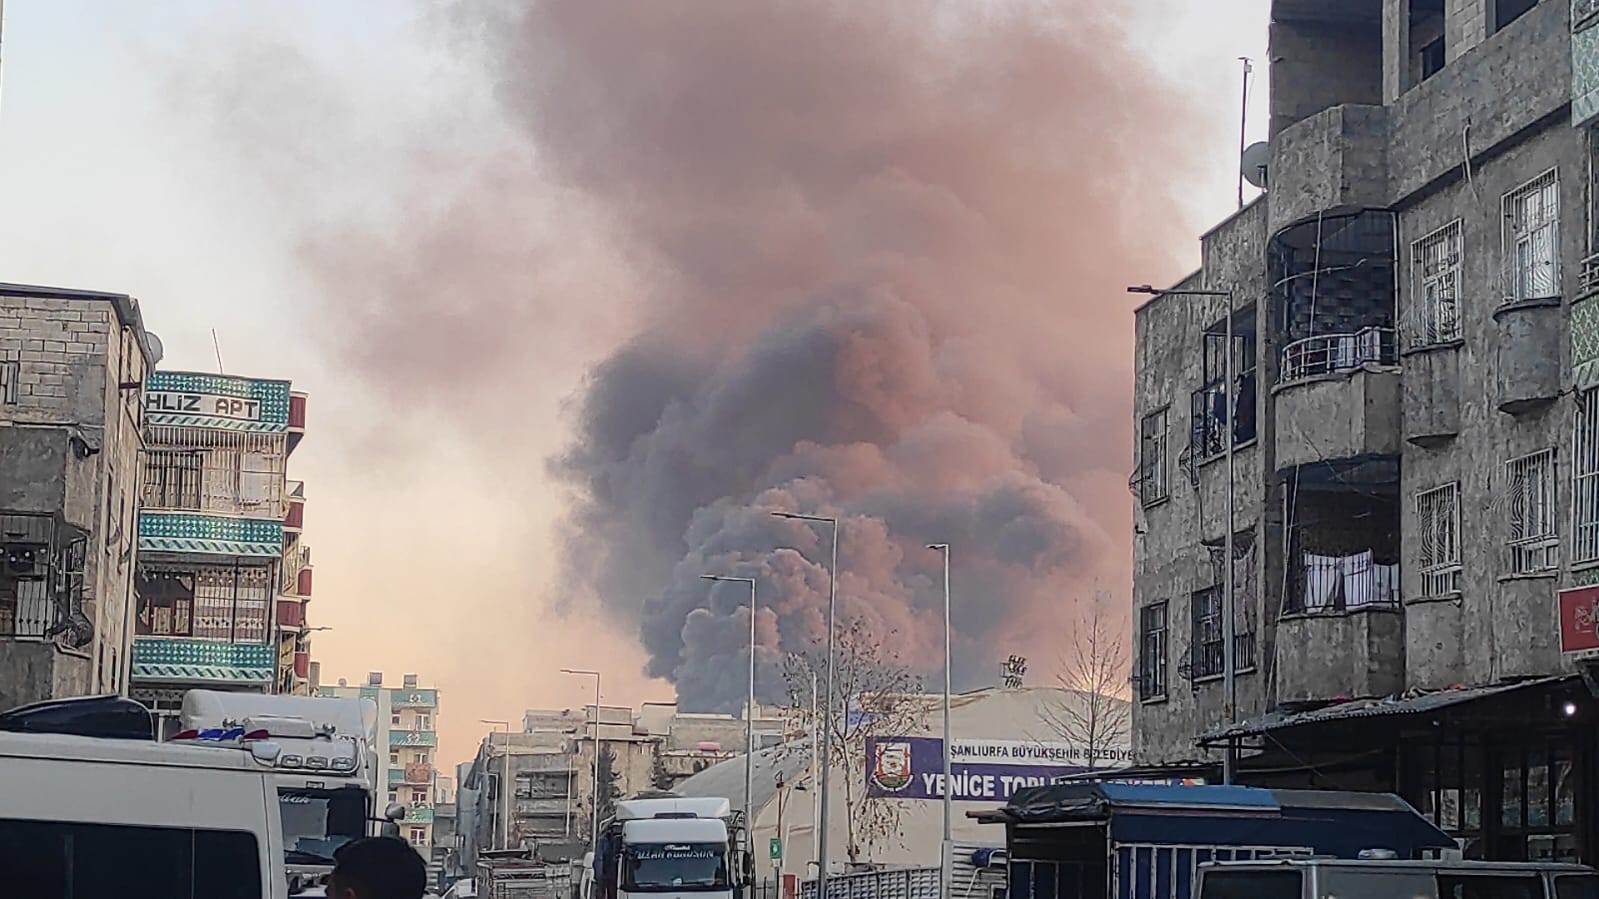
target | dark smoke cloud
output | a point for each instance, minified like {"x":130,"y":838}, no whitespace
{"x":887,"y":242}
{"x":850,"y":258}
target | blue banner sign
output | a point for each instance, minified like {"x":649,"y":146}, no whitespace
{"x":980,"y":770}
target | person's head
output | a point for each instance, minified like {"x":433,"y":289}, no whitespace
{"x":377,"y":868}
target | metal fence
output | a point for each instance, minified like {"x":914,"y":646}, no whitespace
{"x":892,"y":883}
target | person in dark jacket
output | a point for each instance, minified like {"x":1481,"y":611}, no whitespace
{"x":377,"y":868}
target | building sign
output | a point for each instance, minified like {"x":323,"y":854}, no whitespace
{"x":184,"y":399}
{"x":980,"y":770}
{"x":1579,"y":621}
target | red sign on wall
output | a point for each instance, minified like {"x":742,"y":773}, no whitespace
{"x":1579,"y":620}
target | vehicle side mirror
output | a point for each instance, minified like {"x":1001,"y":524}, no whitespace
{"x":395,"y":812}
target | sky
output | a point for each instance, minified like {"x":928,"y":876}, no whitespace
{"x":275,"y":174}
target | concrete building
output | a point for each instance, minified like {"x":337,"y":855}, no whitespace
{"x":211,"y":535}
{"x":292,"y":621}
{"x":1415,"y":359}
{"x":550,"y":766}
{"x":886,"y":792}
{"x":72,"y":369}
{"x":408,"y":725}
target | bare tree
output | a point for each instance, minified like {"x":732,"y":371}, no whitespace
{"x":876,"y":696}
{"x":1094,"y":712}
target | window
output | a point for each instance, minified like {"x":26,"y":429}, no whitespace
{"x":1209,"y":403}
{"x":212,"y":602}
{"x":10,"y":376}
{"x":1585,"y":479}
{"x":419,"y":795}
{"x":219,"y":471}
{"x":394,"y":758}
{"x":394,"y":720}
{"x":1426,"y":37}
{"x":394,"y":795}
{"x":1438,"y":519}
{"x":54,"y":858}
{"x":1577,"y":886}
{"x":172,"y":478}
{"x":1432,"y":59}
{"x":1152,"y":651}
{"x":1435,"y":265}
{"x":1530,"y":494}
{"x":1531,"y":240}
{"x":422,"y":756}
{"x":424,"y":722}
{"x":1506,"y":11}
{"x":1152,"y":458}
{"x":1207,"y":637}
{"x":419,"y":836}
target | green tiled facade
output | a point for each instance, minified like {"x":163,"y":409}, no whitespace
{"x":182,"y":532}
{"x":156,"y":658}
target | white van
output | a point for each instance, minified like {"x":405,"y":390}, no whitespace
{"x":1388,"y":878}
{"x":95,"y":818}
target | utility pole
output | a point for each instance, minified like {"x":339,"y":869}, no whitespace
{"x":946,"y":856}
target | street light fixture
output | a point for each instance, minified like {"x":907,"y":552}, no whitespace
{"x":594,"y":836}
{"x":1229,"y":626}
{"x":946,"y":859}
{"x":827,"y":702}
{"x":749,"y":708}
{"x":505,"y":781}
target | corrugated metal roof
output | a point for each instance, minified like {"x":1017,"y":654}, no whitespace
{"x":1369,"y":708}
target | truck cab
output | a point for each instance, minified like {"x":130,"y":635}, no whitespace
{"x":325,"y":773}
{"x":670,"y":847}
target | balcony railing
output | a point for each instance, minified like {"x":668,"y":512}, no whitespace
{"x":1207,"y":659}
{"x":1326,"y":354}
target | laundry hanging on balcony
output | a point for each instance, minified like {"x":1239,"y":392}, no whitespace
{"x":1348,"y":582}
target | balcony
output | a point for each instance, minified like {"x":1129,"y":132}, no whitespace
{"x":1344,"y":414}
{"x":419,"y":814}
{"x":415,"y":699}
{"x":296,"y":419}
{"x":543,"y":805}
{"x":1530,"y":329}
{"x":291,"y":614}
{"x":296,"y":571}
{"x":1336,"y":159}
{"x":203,"y":661}
{"x":295,"y":519}
{"x":418,"y":774}
{"x":400,"y":738}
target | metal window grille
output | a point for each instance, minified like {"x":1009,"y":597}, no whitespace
{"x":216,"y":471}
{"x":1438,"y":516}
{"x":10,"y":377}
{"x":1585,"y":479}
{"x":210,"y":602}
{"x":1532,"y":240}
{"x":1152,"y":651}
{"x":1530,"y":489}
{"x":1207,"y":637}
{"x":1152,"y":483}
{"x":1209,"y":413}
{"x":1435,"y":260}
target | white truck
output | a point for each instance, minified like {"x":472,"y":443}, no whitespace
{"x":671,"y":846}
{"x":326,"y":772}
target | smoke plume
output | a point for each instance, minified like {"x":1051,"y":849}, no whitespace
{"x":852,"y":259}
{"x":886,"y":243}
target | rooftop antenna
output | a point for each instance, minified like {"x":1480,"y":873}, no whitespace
{"x":1243,"y":125}
{"x":215,"y":344}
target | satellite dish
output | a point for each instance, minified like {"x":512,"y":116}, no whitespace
{"x":1255,"y":162}
{"x":157,"y":351}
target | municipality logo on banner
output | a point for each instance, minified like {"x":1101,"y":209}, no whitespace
{"x":891,"y":766}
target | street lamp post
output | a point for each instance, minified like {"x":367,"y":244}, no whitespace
{"x":594,"y":831}
{"x":827,"y":701}
{"x":749,"y":710}
{"x":947,"y":853}
{"x":1229,"y":626}
{"x":505,"y":781}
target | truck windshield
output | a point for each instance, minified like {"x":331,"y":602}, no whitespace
{"x":673,"y":867}
{"x":317,"y":822}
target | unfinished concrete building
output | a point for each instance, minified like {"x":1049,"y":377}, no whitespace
{"x":72,"y":368}
{"x":1415,"y":429}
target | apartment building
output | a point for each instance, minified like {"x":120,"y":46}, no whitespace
{"x":72,"y":368}
{"x":408,"y":726}
{"x":1415,"y":426}
{"x":211,"y":534}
